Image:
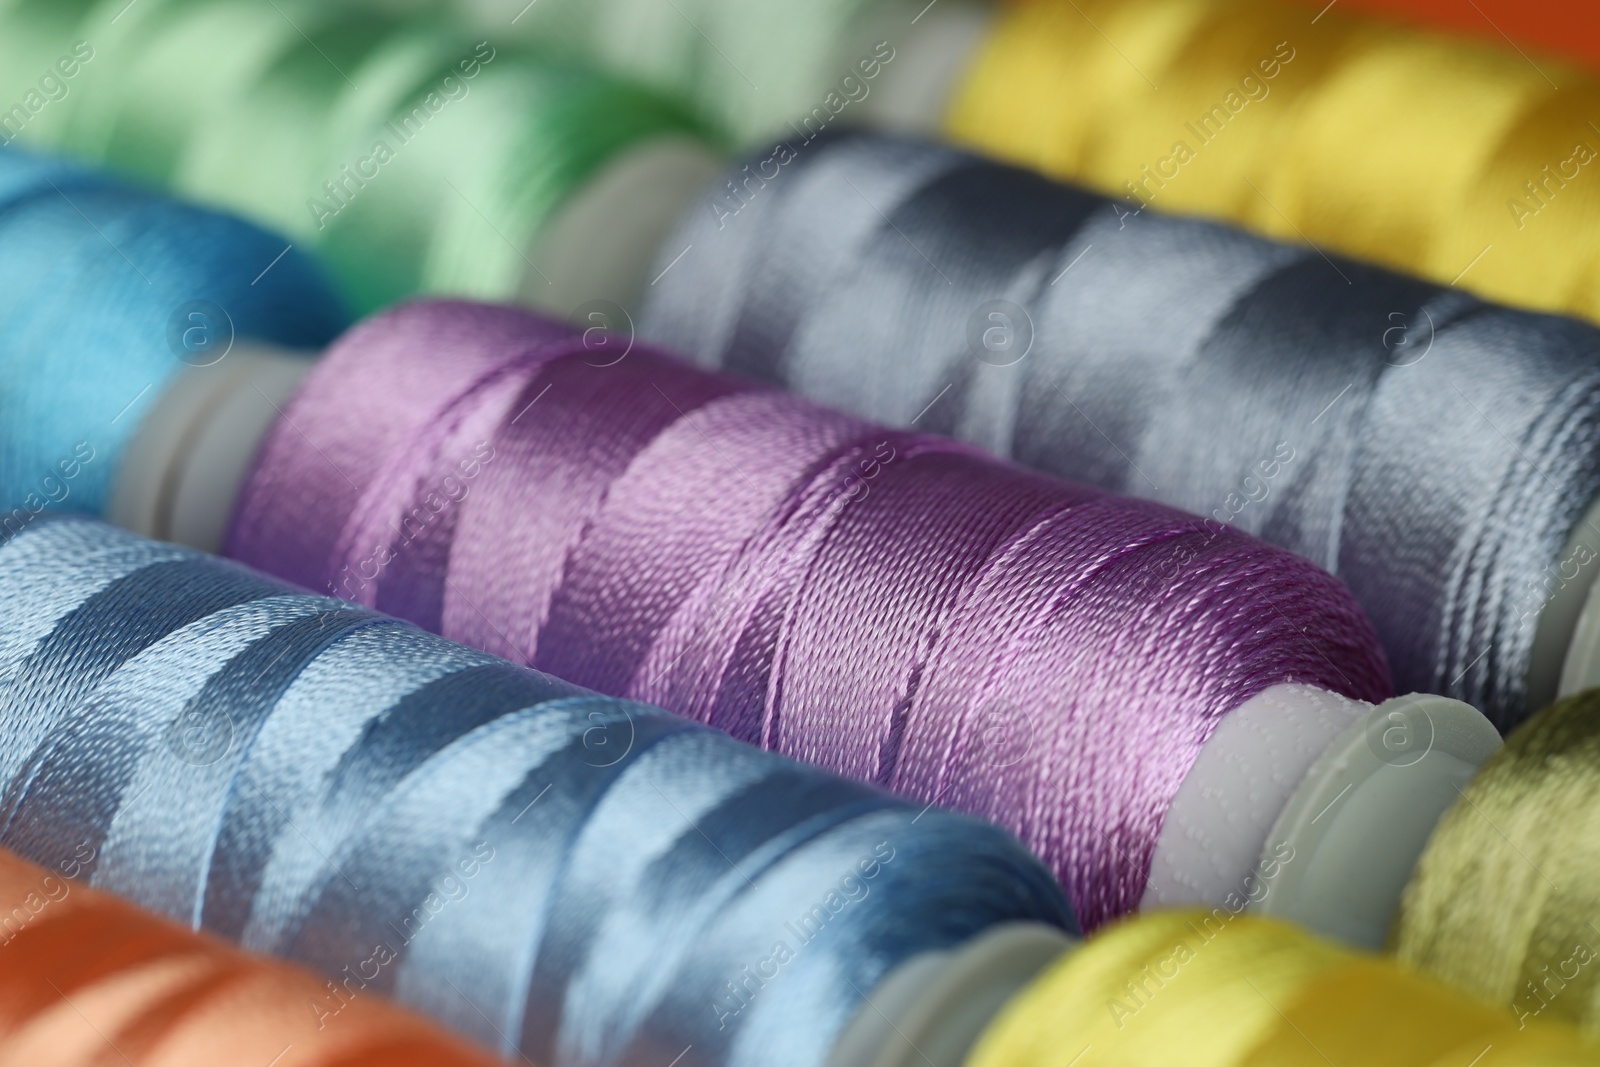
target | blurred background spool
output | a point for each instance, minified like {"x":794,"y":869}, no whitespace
{"x":1434,"y":452}
{"x":412,"y":156}
{"x":91,"y":980}
{"x":110,"y":294}
{"x":1200,"y":989}
{"x":753,"y":69}
{"x":1462,"y":161}
{"x":580,"y":880}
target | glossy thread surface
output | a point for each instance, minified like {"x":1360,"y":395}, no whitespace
{"x":109,"y":293}
{"x":1210,"y":990}
{"x":583,"y":880}
{"x":1463,"y":161}
{"x":411,"y":154}
{"x":1503,"y":901}
{"x":890,"y":605}
{"x":1432,"y":451}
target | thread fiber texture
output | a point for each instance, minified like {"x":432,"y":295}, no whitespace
{"x":1503,"y":901}
{"x":100,"y":282}
{"x":413,"y":156}
{"x":1451,"y":158}
{"x":1432,"y":451}
{"x":582,"y":880}
{"x":1208,"y":990}
{"x":89,"y":979}
{"x":892,"y":606}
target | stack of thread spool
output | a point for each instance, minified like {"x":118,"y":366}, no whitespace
{"x":561,"y":876}
{"x":384,"y":145}
{"x":1084,"y":669}
{"x":404,"y":336}
{"x":184,"y":756}
{"x":1302,"y":124}
{"x":1332,"y":407}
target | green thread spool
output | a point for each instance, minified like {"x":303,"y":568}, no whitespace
{"x":1505,"y":902}
{"x":753,"y":67}
{"x":414,"y":156}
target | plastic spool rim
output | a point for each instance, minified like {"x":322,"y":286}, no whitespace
{"x":933,"y":43}
{"x":1215,"y":832}
{"x":191,"y":453}
{"x":1340,"y":854}
{"x":931,"y":1010}
{"x":599,"y":246}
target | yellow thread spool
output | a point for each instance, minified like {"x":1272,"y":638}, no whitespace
{"x":1395,"y":145}
{"x":1190,"y":988}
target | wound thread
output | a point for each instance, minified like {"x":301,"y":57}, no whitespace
{"x":562,"y":876}
{"x":892,"y":606}
{"x":1434,"y":452}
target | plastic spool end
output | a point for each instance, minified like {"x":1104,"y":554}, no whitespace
{"x":595,"y":253}
{"x":1215,"y":830}
{"x":931,"y":1010}
{"x":191,"y":454}
{"x":933,"y":45}
{"x":1341,"y":853}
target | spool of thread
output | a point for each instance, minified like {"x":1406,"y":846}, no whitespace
{"x":447,"y":467}
{"x":760,"y":68}
{"x":1293,"y":771}
{"x":1461,"y":161}
{"x":1434,"y":452}
{"x":185,"y":466}
{"x":571,"y":878}
{"x":89,"y":979}
{"x":1229,"y":992}
{"x":1504,"y":899}
{"x":412,"y":156}
{"x":110,"y":293}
